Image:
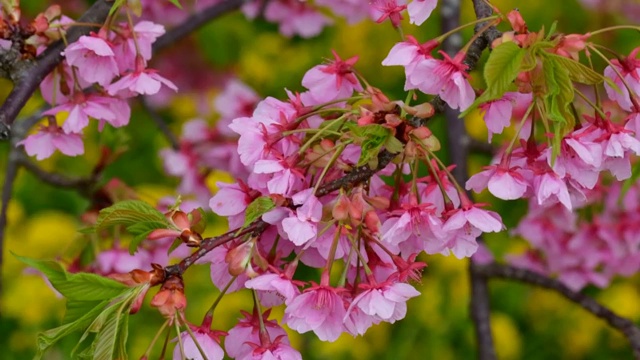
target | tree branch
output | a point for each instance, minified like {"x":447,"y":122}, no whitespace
{"x":195,"y":21}
{"x":10,"y":174}
{"x":55,"y":179}
{"x":161,"y":124}
{"x":29,"y":81}
{"x":624,"y":325}
{"x":355,"y":177}
{"x":459,"y":142}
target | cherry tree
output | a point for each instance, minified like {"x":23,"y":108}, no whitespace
{"x":338,"y":180}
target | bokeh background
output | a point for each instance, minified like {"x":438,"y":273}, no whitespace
{"x":527,"y":323}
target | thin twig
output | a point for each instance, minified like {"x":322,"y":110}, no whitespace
{"x":44,"y":64}
{"x":624,"y":325}
{"x":161,"y":124}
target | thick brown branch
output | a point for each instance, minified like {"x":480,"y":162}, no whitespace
{"x":29,"y":81}
{"x":624,"y":325}
{"x":459,"y":150}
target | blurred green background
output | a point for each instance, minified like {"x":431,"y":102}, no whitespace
{"x":527,"y":323}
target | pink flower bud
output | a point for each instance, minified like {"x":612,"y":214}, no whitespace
{"x":517,"y":22}
{"x":340,"y":210}
{"x":170,"y":298}
{"x":239,"y":258}
{"x":372,"y":221}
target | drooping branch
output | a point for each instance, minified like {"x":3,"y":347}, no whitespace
{"x":195,"y":21}
{"x":29,"y":81}
{"x":54,"y":179}
{"x":624,"y":325}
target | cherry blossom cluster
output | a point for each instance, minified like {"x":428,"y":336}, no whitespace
{"x":556,"y":180}
{"x":305,"y":19}
{"x":371,"y":231}
{"x":99,"y":73}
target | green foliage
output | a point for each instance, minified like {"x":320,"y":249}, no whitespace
{"x":138,"y":217}
{"x":372,"y":138}
{"x":257,"y":208}
{"x":500,"y":71}
{"x":176,"y":3}
{"x":577,"y":71}
{"x":95,"y":305}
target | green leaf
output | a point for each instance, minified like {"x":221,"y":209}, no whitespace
{"x":371,"y":139}
{"x":257,"y":208}
{"x":502,"y":68}
{"x":116,"y":5}
{"x":557,"y":100}
{"x":79,"y":286}
{"x":176,"y":3}
{"x":141,"y":230}
{"x":174,"y":245}
{"x":111,"y":328}
{"x":393,"y":145}
{"x":552,"y":30}
{"x":129,"y":212}
{"x":577,"y":71}
{"x":48,"y":338}
{"x":76,"y":309}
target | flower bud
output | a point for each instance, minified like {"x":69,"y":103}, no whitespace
{"x":239,"y":258}
{"x":424,"y":136}
{"x":170,"y":298}
{"x":340,"y":210}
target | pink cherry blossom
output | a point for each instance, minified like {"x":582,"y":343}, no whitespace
{"x":82,"y":106}
{"x":420,"y":10}
{"x":416,"y":229}
{"x":220,"y":275}
{"x":446,"y":78}
{"x":277,"y":350}
{"x":629,"y":69}
{"x":208,"y":341}
{"x":386,"y":301}
{"x":120,"y":261}
{"x":409,"y":54}
{"x":246,"y":332}
{"x":303,"y":227}
{"x":503,"y":182}
{"x":236,"y":100}
{"x":279,"y":284}
{"x":549,"y":188}
{"x":498,"y":113}
{"x":319,"y":309}
{"x":94,"y":58}
{"x":142,"y":82}
{"x":330,"y":82}
{"x":389,"y":9}
{"x":50,"y":138}
{"x":466,"y":224}
{"x":294,"y":17}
